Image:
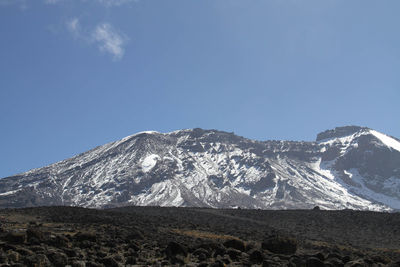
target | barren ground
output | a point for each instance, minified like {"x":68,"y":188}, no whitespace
{"x":154,"y":236}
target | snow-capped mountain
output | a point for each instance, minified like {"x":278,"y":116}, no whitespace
{"x":348,"y":167}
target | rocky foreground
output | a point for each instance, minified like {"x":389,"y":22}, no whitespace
{"x":154,"y":236}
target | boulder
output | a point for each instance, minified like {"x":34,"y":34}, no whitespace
{"x":78,"y":264}
{"x":36,"y":234}
{"x":109,"y":261}
{"x":16,"y":237}
{"x":14,"y":256}
{"x":256,"y":256}
{"x":236,"y":244}
{"x":80,"y":236}
{"x":134,"y":235}
{"x":314,"y":262}
{"x":58,"y":258}
{"x":355,"y":263}
{"x":173,"y":249}
{"x":37,"y":260}
{"x":280,"y":244}
{"x":234,"y":254}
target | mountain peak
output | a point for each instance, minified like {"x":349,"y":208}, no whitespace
{"x":340,"y":132}
{"x":350,"y":167}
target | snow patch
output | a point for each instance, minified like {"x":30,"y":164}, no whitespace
{"x":369,"y":194}
{"x":387,"y":140}
{"x":9,"y":192}
{"x":149,"y":162}
{"x":146,"y":132}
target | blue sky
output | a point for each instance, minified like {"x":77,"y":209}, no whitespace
{"x":75,"y":74}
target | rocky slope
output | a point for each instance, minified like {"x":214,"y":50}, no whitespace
{"x":348,"y":167}
{"x":159,"y":236}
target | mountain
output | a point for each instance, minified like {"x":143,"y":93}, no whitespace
{"x":347,"y":167}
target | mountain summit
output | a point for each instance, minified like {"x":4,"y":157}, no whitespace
{"x":347,"y":167}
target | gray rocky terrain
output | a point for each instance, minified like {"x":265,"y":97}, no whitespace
{"x":157,"y":236}
{"x":347,"y":167}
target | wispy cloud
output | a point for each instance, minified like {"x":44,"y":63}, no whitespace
{"x":109,"y":3}
{"x":73,"y":26}
{"x":106,"y":3}
{"x":109,"y":40}
{"x":22,"y":4}
{"x":52,"y":1}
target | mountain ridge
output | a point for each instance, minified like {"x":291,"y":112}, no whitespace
{"x":346,"y":167}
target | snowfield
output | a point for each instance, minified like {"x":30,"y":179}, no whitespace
{"x":347,"y":168}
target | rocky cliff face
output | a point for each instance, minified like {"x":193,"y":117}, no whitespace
{"x":348,"y":167}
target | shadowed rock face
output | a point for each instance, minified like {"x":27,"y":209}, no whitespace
{"x":348,"y":167}
{"x":339,"y":132}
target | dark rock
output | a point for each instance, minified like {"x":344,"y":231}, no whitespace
{"x":202,"y":254}
{"x":280,"y":244}
{"x":217,"y":263}
{"x":59,"y":241}
{"x":202,"y":257}
{"x":269,"y":263}
{"x":70,"y":252}
{"x":131,"y":252}
{"x":86,"y":244}
{"x":346,"y":259}
{"x":314,"y":262}
{"x":201,"y":251}
{"x":234,"y":254}
{"x":37,"y":260}
{"x":225,"y":259}
{"x":319,"y":256}
{"x":334,"y":255}
{"x":101,"y":254}
{"x":173,"y":249}
{"x":210,"y":246}
{"x":13,"y":256}
{"x":118,"y":257}
{"x":130,"y":260}
{"x":37,"y":249}
{"x":78,"y":264}
{"x":165,"y":263}
{"x":178,"y":259}
{"x":355,"y":263}
{"x":316,"y":208}
{"x":3,"y":257}
{"x":256,"y":256}
{"x":16,"y":237}
{"x":133,"y":246}
{"x":219,"y":251}
{"x":85,"y":237}
{"x":7,"y":246}
{"x":24,"y":251}
{"x":94,"y":264}
{"x":135,"y":235}
{"x":251,"y":245}
{"x":36,"y":234}
{"x":109,"y":261}
{"x":296,"y":261}
{"x":334,"y":262}
{"x":58,"y":258}
{"x":380,"y":259}
{"x":236,"y":244}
